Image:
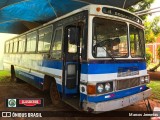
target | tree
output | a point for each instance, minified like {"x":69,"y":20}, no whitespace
{"x":155,"y":25}
{"x":142,"y":5}
{"x":156,"y":67}
{"x":149,"y":34}
{"x":148,"y":56}
{"x":152,"y":30}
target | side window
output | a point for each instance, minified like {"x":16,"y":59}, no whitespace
{"x":15,"y":46}
{"x":11,"y":47}
{"x":21,"y":42}
{"x":7,"y":47}
{"x":31,"y":42}
{"x":73,"y":34}
{"x":57,"y":44}
{"x":45,"y":36}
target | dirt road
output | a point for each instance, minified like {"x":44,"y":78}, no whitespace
{"x":23,"y":90}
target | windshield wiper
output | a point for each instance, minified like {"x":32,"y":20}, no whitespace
{"x":110,"y":55}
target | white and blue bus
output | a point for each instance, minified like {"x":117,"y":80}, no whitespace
{"x":92,"y":58}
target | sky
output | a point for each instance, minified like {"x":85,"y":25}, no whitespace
{"x":155,"y":5}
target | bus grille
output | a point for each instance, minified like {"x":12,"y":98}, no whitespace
{"x":128,"y":83}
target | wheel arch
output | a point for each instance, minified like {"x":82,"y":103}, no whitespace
{"x":47,"y":82}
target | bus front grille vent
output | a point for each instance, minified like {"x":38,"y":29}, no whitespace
{"x":127,"y":83}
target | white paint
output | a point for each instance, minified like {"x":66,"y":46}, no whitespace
{"x":117,"y":103}
{"x":107,"y":77}
{"x":3,"y":38}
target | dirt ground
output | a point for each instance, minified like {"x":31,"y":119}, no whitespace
{"x":23,"y":90}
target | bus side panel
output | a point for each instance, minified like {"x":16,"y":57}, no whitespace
{"x":32,"y":68}
{"x":32,"y":78}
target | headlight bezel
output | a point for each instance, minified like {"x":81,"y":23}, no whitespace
{"x":142,"y":80}
{"x":146,"y":79}
{"x":104,"y":85}
{"x":101,"y":89}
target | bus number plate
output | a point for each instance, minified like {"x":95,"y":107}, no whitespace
{"x":133,"y":99}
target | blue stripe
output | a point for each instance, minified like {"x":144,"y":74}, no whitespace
{"x":59,"y":87}
{"x":116,"y":95}
{"x":56,"y":64}
{"x":98,"y":68}
{"x":67,"y":91}
{"x":32,"y":79}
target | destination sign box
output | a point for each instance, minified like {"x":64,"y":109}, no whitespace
{"x":121,"y":13}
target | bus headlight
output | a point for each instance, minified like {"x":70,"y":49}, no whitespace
{"x":100,"y":88}
{"x":146,"y":78}
{"x":109,"y":87}
{"x":142,"y":80}
{"x":104,"y":87}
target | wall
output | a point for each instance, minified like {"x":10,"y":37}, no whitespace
{"x":3,"y":38}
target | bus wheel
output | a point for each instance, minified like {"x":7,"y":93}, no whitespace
{"x":13,"y":76}
{"x":17,"y":80}
{"x":54,"y":94}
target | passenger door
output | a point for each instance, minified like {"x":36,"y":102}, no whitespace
{"x":71,"y":60}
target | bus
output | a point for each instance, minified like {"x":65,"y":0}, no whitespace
{"x":92,"y":58}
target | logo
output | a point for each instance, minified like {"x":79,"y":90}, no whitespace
{"x":11,"y":102}
{"x":128,"y":72}
{"x":6,"y":114}
{"x":30,"y":103}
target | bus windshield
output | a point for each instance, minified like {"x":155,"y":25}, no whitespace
{"x":110,"y":39}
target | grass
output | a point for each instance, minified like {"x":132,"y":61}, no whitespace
{"x":155,"y":85}
{"x":4,"y":74}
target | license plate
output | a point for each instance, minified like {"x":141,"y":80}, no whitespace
{"x":133,"y":99}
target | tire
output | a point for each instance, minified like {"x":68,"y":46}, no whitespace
{"x":13,"y":76}
{"x":54,"y":94}
{"x":17,"y":80}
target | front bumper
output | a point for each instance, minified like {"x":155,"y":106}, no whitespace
{"x":117,"y":103}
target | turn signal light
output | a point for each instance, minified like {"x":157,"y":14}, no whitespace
{"x":91,"y":89}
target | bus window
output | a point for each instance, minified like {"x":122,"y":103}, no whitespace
{"x":45,"y":35}
{"x":11,"y":47}
{"x":137,"y":39}
{"x":57,"y":45}
{"x":21,"y":46}
{"x":109,"y":38}
{"x":15,"y":46}
{"x":7,"y":47}
{"x":31,"y":41}
{"x":72,"y":39}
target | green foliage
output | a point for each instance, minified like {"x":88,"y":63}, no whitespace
{"x":149,"y":34}
{"x":155,"y":25}
{"x":155,"y":89}
{"x":152,"y":30}
{"x":4,"y":75}
{"x":148,"y":56}
{"x":142,"y":5}
{"x":158,"y":52}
